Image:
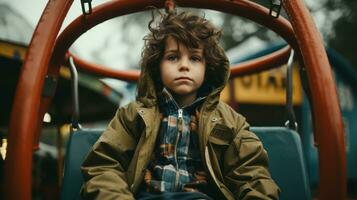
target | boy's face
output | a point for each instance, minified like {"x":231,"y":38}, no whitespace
{"x":182,"y":69}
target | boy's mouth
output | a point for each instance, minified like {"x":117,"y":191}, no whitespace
{"x":183,"y":78}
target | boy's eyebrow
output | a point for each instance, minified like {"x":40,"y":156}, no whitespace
{"x":190,"y":50}
{"x":196,"y":50}
{"x":171,"y":50}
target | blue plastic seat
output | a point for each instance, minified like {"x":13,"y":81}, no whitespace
{"x":79,"y":144}
{"x":283,"y":145}
{"x":286,"y":162}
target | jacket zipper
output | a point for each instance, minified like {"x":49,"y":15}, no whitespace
{"x":180,"y":128}
{"x":180,"y":120}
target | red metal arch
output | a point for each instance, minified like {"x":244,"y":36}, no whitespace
{"x":27,"y":110}
{"x":112,"y":9}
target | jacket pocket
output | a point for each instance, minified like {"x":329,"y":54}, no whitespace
{"x":219,"y":140}
{"x":221,"y":135}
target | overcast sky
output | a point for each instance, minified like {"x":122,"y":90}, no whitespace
{"x":91,"y":41}
{"x":31,"y":10}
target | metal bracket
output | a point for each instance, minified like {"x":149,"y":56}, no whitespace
{"x":275,"y":8}
{"x":84,"y":10}
{"x":75,"y":98}
{"x":294,"y":126}
{"x":49,"y":87}
{"x":291,"y":123}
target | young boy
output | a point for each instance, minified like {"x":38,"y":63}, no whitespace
{"x":178,"y":140}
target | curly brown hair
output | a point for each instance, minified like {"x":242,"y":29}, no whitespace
{"x":191,"y":30}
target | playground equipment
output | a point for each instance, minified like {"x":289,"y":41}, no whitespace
{"x":46,"y":53}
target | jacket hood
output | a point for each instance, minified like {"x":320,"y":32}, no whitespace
{"x":214,"y":83}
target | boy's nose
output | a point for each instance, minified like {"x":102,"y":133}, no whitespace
{"x":184,"y":65}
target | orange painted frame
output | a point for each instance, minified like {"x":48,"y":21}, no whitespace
{"x":25,"y":111}
{"x":270,"y":61}
{"x":24,"y":127}
{"x":326,"y":113}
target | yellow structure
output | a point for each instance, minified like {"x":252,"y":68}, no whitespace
{"x":11,"y":50}
{"x":267,"y":88}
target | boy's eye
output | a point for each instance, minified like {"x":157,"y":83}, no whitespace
{"x":172,"y":57}
{"x":196,"y":58}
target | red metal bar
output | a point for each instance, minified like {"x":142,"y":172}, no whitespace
{"x":25,"y":111}
{"x":327,"y":117}
{"x":125,"y":75}
{"x":112,"y":9}
{"x":270,"y":61}
{"x":273,"y":60}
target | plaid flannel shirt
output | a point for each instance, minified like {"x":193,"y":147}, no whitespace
{"x":177,"y":164}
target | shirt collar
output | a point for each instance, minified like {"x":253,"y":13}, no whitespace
{"x":168,"y":104}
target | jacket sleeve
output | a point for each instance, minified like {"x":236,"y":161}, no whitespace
{"x":247,"y":174}
{"x":104,"y":169}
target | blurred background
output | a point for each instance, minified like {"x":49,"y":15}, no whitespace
{"x":117,"y":44}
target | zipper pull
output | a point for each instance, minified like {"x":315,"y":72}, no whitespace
{"x":180,"y":120}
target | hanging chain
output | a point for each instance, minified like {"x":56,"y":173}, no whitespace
{"x":84,"y":8}
{"x":275,"y":8}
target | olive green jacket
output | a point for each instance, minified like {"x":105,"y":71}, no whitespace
{"x":234,"y":157}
